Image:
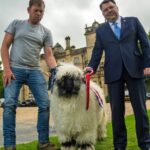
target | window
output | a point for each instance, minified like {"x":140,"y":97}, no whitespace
{"x":76,"y":61}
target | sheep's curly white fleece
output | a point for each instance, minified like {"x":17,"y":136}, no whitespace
{"x":71,"y":118}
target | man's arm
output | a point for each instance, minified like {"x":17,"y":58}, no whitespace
{"x":51,"y":62}
{"x":49,"y":57}
{"x":96,"y":53}
{"x":7,"y":73}
{"x":145,"y":45}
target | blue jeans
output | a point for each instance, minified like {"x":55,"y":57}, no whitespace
{"x":37,"y":84}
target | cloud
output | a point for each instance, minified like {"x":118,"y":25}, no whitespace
{"x":68,"y":18}
{"x":60,"y":4}
{"x":136,"y":8}
{"x":10,"y":10}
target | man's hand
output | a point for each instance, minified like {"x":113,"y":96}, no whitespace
{"x":52,"y":79}
{"x":147,"y":72}
{"x":88,"y":70}
{"x":8,"y":76}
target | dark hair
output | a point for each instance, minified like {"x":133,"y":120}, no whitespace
{"x":106,"y":1}
{"x":37,"y":2}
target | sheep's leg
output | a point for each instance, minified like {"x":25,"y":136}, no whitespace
{"x":69,"y":145}
{"x":101,"y":130}
{"x":86,"y":140}
{"x":86,"y":146}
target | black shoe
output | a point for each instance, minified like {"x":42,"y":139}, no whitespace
{"x":119,"y":149}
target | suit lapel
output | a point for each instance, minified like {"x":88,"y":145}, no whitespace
{"x":124,"y":27}
{"x":108,"y":28}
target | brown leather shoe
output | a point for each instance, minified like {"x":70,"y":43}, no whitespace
{"x":10,"y":148}
{"x":47,"y":146}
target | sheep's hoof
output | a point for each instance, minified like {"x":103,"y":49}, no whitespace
{"x":86,"y":146}
{"x":69,"y":145}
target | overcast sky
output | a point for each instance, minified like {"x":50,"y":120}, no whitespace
{"x":69,"y":17}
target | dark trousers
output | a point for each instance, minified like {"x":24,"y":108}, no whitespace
{"x":137,"y":94}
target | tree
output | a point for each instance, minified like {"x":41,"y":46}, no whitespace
{"x":148,"y":35}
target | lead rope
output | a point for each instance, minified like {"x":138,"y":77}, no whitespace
{"x":87,"y":77}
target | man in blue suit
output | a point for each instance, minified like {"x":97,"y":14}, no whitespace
{"x":125,"y":63}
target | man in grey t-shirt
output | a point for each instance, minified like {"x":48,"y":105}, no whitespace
{"x":26,"y":38}
{"x":29,"y":39}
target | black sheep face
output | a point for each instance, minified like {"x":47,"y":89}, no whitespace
{"x":68,"y":85}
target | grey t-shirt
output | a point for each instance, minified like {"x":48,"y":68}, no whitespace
{"x":28,"y":41}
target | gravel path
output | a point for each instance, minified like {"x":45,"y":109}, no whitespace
{"x":26,"y":122}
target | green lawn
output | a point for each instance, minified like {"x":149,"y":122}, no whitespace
{"x":103,"y":145}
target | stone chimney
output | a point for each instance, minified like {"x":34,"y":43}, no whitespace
{"x":67,"y":38}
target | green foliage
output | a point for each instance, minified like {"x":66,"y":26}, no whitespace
{"x":147,"y":83}
{"x":107,"y":99}
{"x":106,"y":144}
{"x":148,"y":35}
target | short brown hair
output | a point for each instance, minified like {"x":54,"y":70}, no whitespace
{"x":37,"y":2}
{"x":106,"y":1}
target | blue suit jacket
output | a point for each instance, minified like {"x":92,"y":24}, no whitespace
{"x":123,"y":51}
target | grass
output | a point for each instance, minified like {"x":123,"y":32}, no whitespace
{"x":33,"y":145}
{"x":106,"y":144}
